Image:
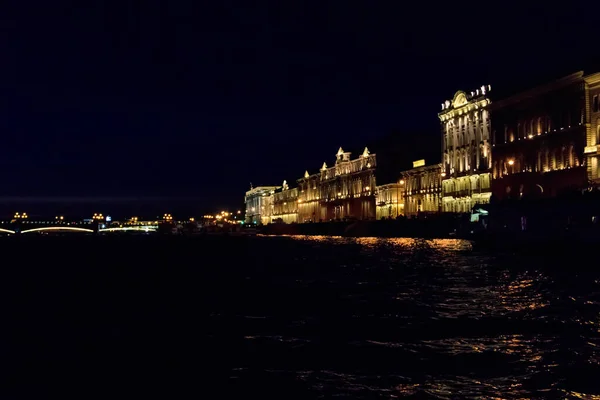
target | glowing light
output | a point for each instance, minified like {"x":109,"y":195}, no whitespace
{"x":511,"y":162}
{"x":418,"y":163}
{"x":131,"y":228}
{"x":402,"y":181}
{"x":58,"y":228}
{"x":6,"y":231}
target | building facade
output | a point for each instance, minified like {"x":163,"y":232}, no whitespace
{"x":389,"y":200}
{"x":347,"y":190}
{"x":466,"y":150}
{"x":592,"y":125}
{"x":258,"y":202}
{"x":285,"y":205}
{"x":309,"y":198}
{"x":422,"y":189}
{"x":539,"y":138}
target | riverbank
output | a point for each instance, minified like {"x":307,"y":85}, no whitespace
{"x":442,"y":226}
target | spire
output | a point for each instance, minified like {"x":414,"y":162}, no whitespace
{"x":306,"y":175}
{"x":340,"y":152}
{"x":366,"y":152}
{"x":324,"y":167}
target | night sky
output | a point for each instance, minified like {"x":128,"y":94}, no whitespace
{"x":198,"y":99}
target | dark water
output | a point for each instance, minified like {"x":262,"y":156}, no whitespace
{"x":295,"y":318}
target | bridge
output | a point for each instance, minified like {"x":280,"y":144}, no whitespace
{"x":84,"y":227}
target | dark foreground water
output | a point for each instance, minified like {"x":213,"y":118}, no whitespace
{"x":294,"y":318}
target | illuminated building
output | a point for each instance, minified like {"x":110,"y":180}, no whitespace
{"x":389,"y":200}
{"x":309,"y":204}
{"x":285,"y":204}
{"x":539,"y":138}
{"x":422,"y":188}
{"x":466,"y":151}
{"x":592,"y":125}
{"x":259,"y":204}
{"x":347,"y":190}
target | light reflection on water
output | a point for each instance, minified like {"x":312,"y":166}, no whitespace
{"x":394,"y":318}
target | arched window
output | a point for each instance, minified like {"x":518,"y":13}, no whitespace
{"x":538,"y":129}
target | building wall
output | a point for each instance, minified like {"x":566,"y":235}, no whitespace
{"x":266,"y":209}
{"x":466,"y":150}
{"x":389,"y":200}
{"x":422,"y":189}
{"x":347,"y":190}
{"x":309,"y":208}
{"x":255,"y":203}
{"x":592,"y":107}
{"x":539,"y":140}
{"x":285,"y":206}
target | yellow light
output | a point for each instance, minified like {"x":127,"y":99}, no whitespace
{"x":6,"y":231}
{"x":530,"y":136}
{"x":145,"y":228}
{"x":58,"y":228}
{"x":443,"y":174}
{"x":402,"y":181}
{"x":511,"y":162}
{"x":191,"y":219}
{"x":367,"y":188}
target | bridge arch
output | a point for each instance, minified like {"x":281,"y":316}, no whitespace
{"x":143,"y":228}
{"x":58,"y":228}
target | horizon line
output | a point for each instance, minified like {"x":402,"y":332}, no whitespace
{"x":84,"y":199}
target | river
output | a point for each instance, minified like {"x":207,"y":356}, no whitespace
{"x":295,"y":318}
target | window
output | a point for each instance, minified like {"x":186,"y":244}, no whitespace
{"x":595,"y":104}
